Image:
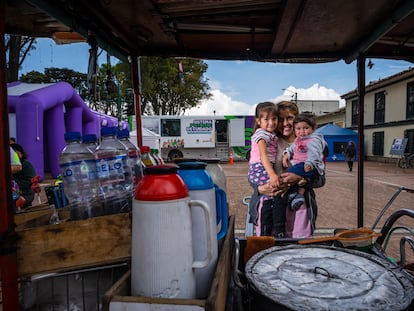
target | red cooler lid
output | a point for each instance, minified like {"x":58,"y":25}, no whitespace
{"x":161,"y":183}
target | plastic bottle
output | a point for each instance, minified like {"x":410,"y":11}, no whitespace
{"x":134,"y":157}
{"x":158,"y":156}
{"x":90,"y":141}
{"x":113,"y":171}
{"x":154,"y":156}
{"x":80,"y":178}
{"x":146,"y":157}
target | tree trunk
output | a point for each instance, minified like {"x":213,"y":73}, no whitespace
{"x":14,"y":53}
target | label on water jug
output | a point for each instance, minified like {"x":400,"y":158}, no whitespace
{"x":79,"y":170}
{"x":110,"y":166}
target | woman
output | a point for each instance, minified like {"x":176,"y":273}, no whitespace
{"x":23,"y":177}
{"x":300,"y":223}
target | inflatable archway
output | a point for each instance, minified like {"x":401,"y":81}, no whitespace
{"x":43,"y":113}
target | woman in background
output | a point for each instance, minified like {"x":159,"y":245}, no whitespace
{"x":24,"y":176}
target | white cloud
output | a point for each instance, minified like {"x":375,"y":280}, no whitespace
{"x":223,"y":104}
{"x":315,"y":92}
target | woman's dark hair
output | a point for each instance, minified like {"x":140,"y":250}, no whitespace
{"x":17,"y":147}
{"x":262,"y":108}
{"x":309,"y":118}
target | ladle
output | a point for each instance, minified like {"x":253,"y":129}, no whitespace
{"x":359,"y":237}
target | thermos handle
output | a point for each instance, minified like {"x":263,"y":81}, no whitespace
{"x":221,"y":204}
{"x":203,"y":263}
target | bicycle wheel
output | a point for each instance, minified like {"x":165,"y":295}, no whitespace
{"x":403,"y":162}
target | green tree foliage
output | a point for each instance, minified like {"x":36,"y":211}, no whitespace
{"x":53,"y":75}
{"x":167,"y":92}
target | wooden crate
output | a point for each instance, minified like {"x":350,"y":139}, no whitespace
{"x":70,"y":245}
{"x":31,"y":213}
{"x":118,"y":297}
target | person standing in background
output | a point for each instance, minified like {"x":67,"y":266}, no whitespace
{"x":24,"y":177}
{"x":15,"y":164}
{"x":350,"y":152}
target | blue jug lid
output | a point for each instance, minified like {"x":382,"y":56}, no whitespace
{"x":108,"y":131}
{"x":89,"y":138}
{"x":73,"y":136}
{"x":195,"y":175}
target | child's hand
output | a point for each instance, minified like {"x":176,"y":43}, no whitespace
{"x":307,"y":167}
{"x":285,"y":161}
{"x":274,"y":181}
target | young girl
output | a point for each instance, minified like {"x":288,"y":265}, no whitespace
{"x":305,"y":154}
{"x":262,"y":158}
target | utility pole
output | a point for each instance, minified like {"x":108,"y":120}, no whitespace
{"x":295,"y":95}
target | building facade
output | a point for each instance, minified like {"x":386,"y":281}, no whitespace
{"x":388,"y":115}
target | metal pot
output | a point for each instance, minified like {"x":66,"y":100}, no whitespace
{"x":320,"y":277}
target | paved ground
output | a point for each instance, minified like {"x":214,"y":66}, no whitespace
{"x":337,"y":200}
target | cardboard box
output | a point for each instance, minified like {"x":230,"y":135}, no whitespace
{"x":118,"y":297}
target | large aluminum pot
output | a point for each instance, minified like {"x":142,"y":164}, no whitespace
{"x":326,"y":278}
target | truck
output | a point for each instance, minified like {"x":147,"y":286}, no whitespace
{"x":197,"y":137}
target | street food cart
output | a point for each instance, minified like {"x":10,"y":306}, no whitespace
{"x":266,"y":31}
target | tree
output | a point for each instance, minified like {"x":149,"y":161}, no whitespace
{"x":17,"y":49}
{"x":53,"y":75}
{"x":166,"y":90}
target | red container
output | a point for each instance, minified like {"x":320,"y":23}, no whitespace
{"x":161,"y":183}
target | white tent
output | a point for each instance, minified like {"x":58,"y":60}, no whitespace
{"x":149,"y":138}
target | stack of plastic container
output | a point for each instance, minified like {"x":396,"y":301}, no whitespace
{"x":147,"y":159}
{"x":80,"y":178}
{"x":114,"y":173}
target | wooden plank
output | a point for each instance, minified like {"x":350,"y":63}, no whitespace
{"x":216,"y":300}
{"x":28,"y":214}
{"x":74,"y":244}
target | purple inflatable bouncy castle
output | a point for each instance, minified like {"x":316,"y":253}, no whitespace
{"x":43,"y":113}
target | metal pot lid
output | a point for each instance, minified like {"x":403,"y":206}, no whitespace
{"x":327,"y":278}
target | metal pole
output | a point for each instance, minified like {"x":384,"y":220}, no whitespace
{"x":361,"y":95}
{"x":8,"y":238}
{"x":118,"y":103}
{"x":136,"y":85}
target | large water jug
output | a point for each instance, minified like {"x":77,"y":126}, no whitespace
{"x":201,"y":187}
{"x":115,"y":176}
{"x":215,"y":170}
{"x":80,"y":178}
{"x":162,"y":257}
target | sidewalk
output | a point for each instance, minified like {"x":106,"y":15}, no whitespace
{"x":337,"y":200}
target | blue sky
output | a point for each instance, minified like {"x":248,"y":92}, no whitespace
{"x":237,"y":86}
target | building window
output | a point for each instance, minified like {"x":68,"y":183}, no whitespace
{"x":410,"y":100}
{"x":379,"y":107}
{"x":378,"y":143}
{"x":354,"y":112}
{"x":409,"y":134}
{"x":170,"y":127}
